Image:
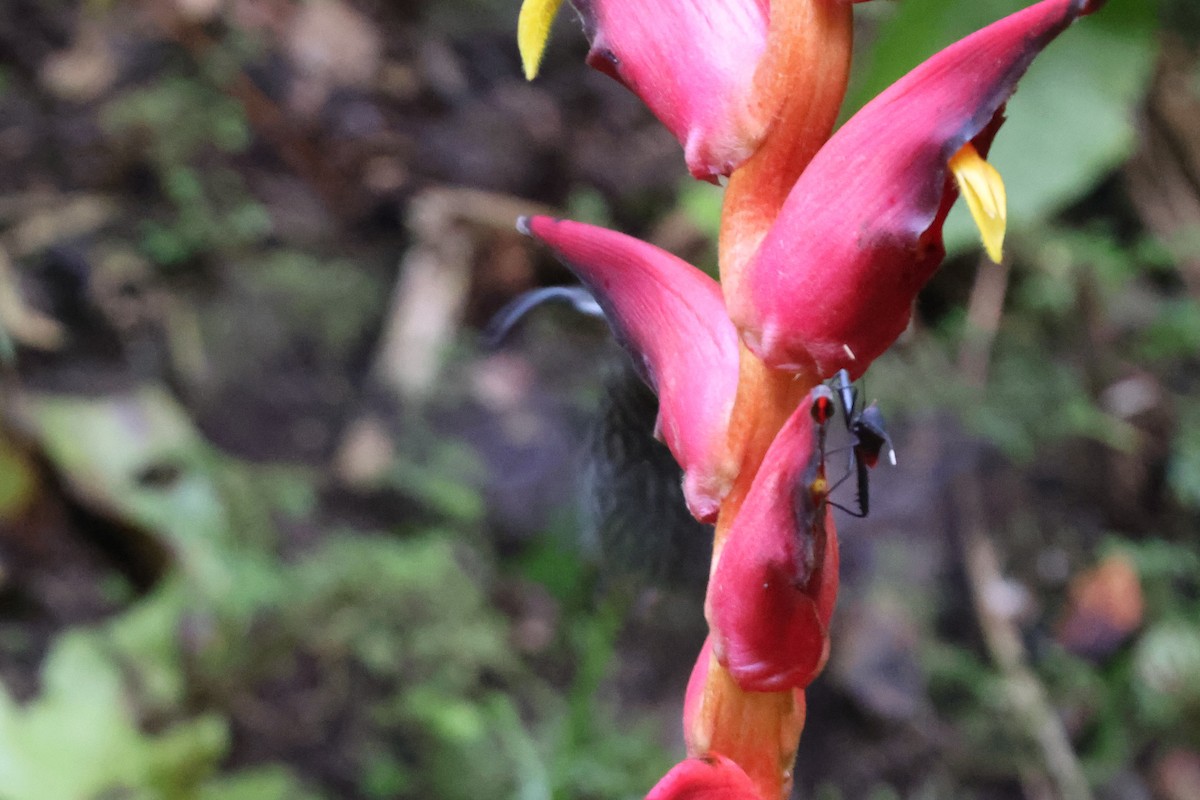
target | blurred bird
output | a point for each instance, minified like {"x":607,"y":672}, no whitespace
{"x":632,"y":493}
{"x":634,"y":518}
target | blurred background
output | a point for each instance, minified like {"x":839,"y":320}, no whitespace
{"x":278,"y":519}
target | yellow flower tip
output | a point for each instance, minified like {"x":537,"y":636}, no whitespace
{"x":983,"y":189}
{"x":533,"y":29}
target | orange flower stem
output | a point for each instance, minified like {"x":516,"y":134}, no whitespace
{"x":800,"y":81}
{"x":765,"y":399}
{"x":758,"y":730}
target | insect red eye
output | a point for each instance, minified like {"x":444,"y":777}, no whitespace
{"x":822,"y":405}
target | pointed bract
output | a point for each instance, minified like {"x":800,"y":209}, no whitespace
{"x":773,"y":589}
{"x":692,"y":62}
{"x":833,"y":283}
{"x":671,"y":318}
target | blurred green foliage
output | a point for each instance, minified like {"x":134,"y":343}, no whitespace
{"x":79,"y":739}
{"x":448,"y":707}
{"x":1183,"y":473}
{"x":177,"y":123}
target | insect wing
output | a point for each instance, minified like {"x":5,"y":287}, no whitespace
{"x":871,"y":436}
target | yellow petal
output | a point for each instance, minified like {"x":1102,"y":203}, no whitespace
{"x":533,"y":29}
{"x":983,"y":189}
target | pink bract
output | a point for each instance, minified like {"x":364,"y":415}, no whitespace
{"x":710,"y":778}
{"x":671,"y":318}
{"x":692,"y":62}
{"x":773,"y":589}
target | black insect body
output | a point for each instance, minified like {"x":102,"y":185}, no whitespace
{"x":868,"y":437}
{"x":815,"y":485}
{"x":634,"y":517}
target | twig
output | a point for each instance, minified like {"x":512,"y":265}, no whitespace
{"x":449,"y":227}
{"x":1025,"y":692}
{"x":25,"y":325}
{"x":984,"y":577}
{"x":984,"y":311}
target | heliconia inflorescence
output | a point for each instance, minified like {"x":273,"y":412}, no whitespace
{"x":826,"y":239}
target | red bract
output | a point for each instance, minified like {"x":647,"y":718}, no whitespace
{"x":692,"y":62}
{"x":720,"y":74}
{"x":775,"y":582}
{"x":671,"y":317}
{"x":833,"y":283}
{"x":710,"y":778}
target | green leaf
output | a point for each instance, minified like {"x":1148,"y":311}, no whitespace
{"x":18,"y":481}
{"x":1070,"y":122}
{"x":1167,"y":666}
{"x":79,"y":739}
{"x":137,"y":458}
{"x":262,"y":783}
{"x":1183,"y":469}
